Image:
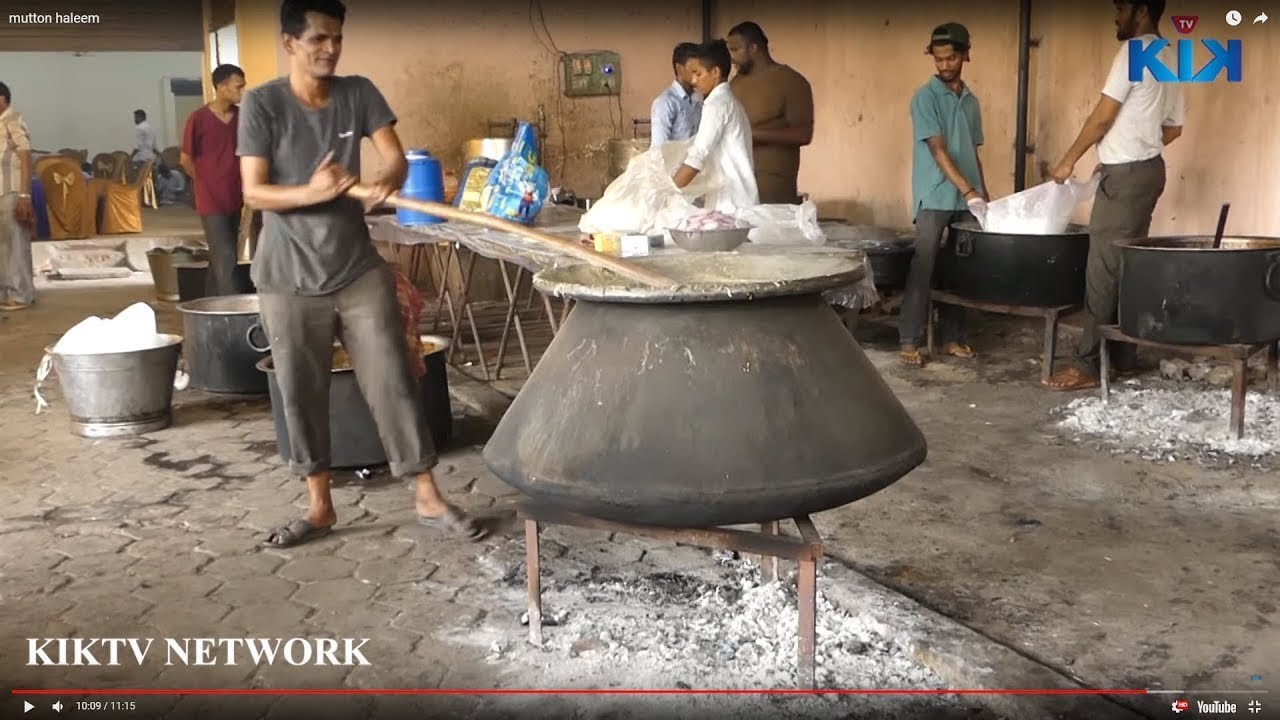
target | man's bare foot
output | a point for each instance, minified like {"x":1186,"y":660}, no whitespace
{"x":959,"y":350}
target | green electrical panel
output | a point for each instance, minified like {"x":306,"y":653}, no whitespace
{"x":592,"y":73}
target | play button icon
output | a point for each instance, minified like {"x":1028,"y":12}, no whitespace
{"x":27,"y":707}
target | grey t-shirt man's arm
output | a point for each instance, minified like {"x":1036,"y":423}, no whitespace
{"x":320,"y":249}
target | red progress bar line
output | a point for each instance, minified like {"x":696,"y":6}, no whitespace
{"x":531,"y":691}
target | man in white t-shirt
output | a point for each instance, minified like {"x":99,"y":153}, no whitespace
{"x":1131,"y":124}
{"x":723,"y":140}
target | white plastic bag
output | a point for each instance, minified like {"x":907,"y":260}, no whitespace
{"x":644,"y":199}
{"x":133,"y":329}
{"x":1045,"y":209}
{"x":783,"y":224}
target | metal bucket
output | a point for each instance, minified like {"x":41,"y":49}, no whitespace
{"x":119,"y":394}
{"x":161,"y":261}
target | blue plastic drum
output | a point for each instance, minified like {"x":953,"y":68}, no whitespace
{"x":425,"y":182}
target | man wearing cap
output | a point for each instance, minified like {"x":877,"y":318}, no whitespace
{"x":779,"y":104}
{"x":947,"y":185}
{"x":1131,"y":124}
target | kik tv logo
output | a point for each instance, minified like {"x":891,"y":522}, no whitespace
{"x":1184,"y":24}
{"x":1222,"y":58}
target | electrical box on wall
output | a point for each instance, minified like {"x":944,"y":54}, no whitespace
{"x":598,"y":72}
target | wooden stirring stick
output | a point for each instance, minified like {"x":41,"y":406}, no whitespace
{"x":626,"y":269}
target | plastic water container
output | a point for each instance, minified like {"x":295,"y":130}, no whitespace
{"x":425,"y":182}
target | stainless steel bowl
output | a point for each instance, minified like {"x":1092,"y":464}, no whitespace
{"x":710,"y":240}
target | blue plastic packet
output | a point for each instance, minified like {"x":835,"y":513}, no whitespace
{"x":518,"y":186}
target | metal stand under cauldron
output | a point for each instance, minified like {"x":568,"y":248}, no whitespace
{"x":769,"y":544}
{"x":1238,"y":355}
{"x":1050,"y":315}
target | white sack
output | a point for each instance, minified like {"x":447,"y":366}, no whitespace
{"x":1045,"y":209}
{"x":644,"y":199}
{"x":783,"y":224}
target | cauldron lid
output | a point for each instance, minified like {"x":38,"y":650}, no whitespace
{"x":751,"y":272}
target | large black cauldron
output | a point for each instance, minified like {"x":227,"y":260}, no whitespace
{"x":1183,"y":291}
{"x":219,"y":350}
{"x":738,"y":397}
{"x":1005,"y":269}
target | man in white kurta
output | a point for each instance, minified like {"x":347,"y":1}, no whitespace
{"x":722,"y":146}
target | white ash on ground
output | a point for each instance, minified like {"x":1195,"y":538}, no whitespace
{"x":720,"y":629}
{"x":1178,"y":422}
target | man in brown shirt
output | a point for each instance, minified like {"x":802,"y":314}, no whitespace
{"x":779,"y":103}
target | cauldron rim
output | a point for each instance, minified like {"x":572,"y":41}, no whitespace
{"x":1199,"y":243}
{"x":816,"y":269}
{"x":441,"y":343}
{"x":201,"y":306}
{"x":972,"y":226}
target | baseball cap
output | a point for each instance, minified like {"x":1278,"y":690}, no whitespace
{"x":949,"y":33}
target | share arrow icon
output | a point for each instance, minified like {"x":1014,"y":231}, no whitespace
{"x":1260,"y":19}
{"x":27,"y":707}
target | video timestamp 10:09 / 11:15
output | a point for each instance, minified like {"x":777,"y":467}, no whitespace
{"x":107,"y":705}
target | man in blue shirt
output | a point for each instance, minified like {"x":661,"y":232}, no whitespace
{"x":947,"y":186}
{"x":678,"y":110}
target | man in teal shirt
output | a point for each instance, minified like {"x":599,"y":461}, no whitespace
{"x":947,"y":186}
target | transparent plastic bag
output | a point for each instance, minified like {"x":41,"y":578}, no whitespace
{"x":1045,"y":209}
{"x":644,"y":198}
{"x":783,"y":224}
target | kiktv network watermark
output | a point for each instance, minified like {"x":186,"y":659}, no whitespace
{"x":196,"y":652}
{"x":1144,"y":57}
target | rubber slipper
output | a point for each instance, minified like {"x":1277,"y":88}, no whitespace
{"x":1072,"y":381}
{"x":959,"y":350}
{"x":455,"y":521}
{"x":911,"y":357}
{"x":295,"y":533}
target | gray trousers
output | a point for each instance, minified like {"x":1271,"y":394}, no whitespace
{"x":222,"y":234}
{"x":17,"y":275}
{"x":931,"y":230}
{"x":366,"y":316}
{"x":1122,"y":209}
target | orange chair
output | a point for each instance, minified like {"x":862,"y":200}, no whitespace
{"x":122,"y":203}
{"x":69,"y":201}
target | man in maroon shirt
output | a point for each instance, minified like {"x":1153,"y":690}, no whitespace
{"x":209,"y":158}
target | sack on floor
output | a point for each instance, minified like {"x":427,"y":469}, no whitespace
{"x":1045,"y":209}
{"x":644,"y":198}
{"x":783,"y":224}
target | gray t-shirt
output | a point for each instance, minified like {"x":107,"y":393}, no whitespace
{"x":320,"y":249}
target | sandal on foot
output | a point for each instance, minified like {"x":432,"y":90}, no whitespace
{"x":959,"y":350}
{"x":911,"y":356}
{"x":455,"y":521}
{"x":1071,"y":380}
{"x":295,"y":533}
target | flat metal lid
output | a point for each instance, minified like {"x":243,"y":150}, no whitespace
{"x":712,"y":276}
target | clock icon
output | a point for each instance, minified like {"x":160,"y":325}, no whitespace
{"x":1233,"y":18}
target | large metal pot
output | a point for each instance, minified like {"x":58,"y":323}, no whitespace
{"x":220,"y":350}
{"x":620,"y":154}
{"x":1181,"y":290}
{"x":737,"y":397}
{"x":888,"y":250}
{"x":119,"y":394}
{"x":354,"y":441}
{"x":492,"y":148}
{"x":1005,"y":269}
{"x":193,"y":278}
